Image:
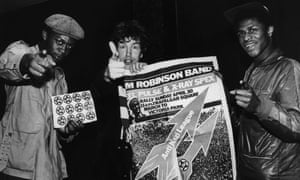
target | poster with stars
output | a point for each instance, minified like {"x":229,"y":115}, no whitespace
{"x":176,"y":119}
{"x":77,"y":106}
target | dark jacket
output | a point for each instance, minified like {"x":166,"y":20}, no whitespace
{"x":269,"y":138}
{"x":113,"y":159}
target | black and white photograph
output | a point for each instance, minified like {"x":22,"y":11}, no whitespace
{"x":93,"y":90}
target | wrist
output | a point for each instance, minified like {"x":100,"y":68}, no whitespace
{"x":265,"y":108}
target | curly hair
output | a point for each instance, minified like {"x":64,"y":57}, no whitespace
{"x":130,"y":29}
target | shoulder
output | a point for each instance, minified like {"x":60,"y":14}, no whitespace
{"x":14,"y":52}
{"x":288,"y":67}
{"x":18,"y":46}
{"x":288,"y":63}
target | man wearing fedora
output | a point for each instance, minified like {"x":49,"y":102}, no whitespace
{"x":269,"y":123}
{"x":29,"y":145}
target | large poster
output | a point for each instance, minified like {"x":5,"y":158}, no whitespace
{"x":176,"y":120}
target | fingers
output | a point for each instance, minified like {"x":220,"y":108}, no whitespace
{"x":39,"y":65}
{"x":50,"y":61}
{"x":36,"y":67}
{"x":242,"y":97}
{"x":113,"y":63}
{"x":113,"y":49}
{"x":37,"y":70}
{"x":73,"y":126}
{"x":46,"y":61}
{"x":242,"y":104}
{"x":241,"y":92}
{"x":135,"y":67}
{"x":115,"y":69}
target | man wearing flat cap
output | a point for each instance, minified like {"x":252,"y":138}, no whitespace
{"x":269,"y":122}
{"x":29,"y":145}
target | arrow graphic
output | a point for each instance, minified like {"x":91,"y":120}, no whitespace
{"x":163,"y":156}
{"x":202,"y":138}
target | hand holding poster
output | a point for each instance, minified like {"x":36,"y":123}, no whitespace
{"x":178,"y":123}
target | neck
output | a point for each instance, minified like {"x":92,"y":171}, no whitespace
{"x":265,"y":53}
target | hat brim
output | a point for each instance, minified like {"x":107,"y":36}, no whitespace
{"x":66,"y":34}
{"x":254,"y":7}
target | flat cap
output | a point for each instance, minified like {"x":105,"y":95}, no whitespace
{"x":65,"y":25}
{"x":254,"y":9}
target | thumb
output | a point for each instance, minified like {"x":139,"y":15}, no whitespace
{"x":50,"y":61}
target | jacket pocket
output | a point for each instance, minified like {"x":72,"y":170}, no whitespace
{"x":28,"y":117}
{"x":24,"y":148}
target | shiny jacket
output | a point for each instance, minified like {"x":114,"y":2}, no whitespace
{"x":269,"y":138}
{"x":29,"y":147}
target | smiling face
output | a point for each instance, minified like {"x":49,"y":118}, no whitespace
{"x":58,"y":45}
{"x":253,"y":36}
{"x":129,"y":50}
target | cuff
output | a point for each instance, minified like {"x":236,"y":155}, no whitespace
{"x":24,"y":65}
{"x":263,"y":110}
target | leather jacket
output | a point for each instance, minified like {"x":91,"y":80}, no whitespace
{"x":269,"y":138}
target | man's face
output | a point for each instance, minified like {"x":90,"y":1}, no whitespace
{"x":129,"y":50}
{"x":135,"y":107}
{"x":253,"y":36}
{"x":59,"y":46}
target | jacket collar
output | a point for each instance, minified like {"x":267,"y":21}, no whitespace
{"x":268,"y":57}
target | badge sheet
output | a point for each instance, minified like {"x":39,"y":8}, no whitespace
{"x":77,"y":106}
{"x":177,"y":121}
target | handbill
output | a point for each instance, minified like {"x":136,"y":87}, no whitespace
{"x":177,"y":121}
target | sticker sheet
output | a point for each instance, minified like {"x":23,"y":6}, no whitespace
{"x":77,"y":106}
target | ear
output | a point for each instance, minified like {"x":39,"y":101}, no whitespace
{"x":141,"y":55}
{"x":44,"y":35}
{"x":270,"y":31}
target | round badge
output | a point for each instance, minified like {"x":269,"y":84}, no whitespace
{"x":88,"y":105}
{"x":71,"y":117}
{"x":67,"y":98}
{"x":90,"y":115}
{"x":86,"y":95}
{"x":58,"y":100}
{"x":61,"y":120}
{"x":60,"y":110}
{"x":69,"y":108}
{"x":78,"y":107}
{"x":80,"y":117}
{"x":183,"y":164}
{"x":76,"y":97}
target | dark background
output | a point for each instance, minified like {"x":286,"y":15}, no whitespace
{"x":178,"y":28}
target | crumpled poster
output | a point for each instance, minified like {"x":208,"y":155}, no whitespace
{"x":175,"y":117}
